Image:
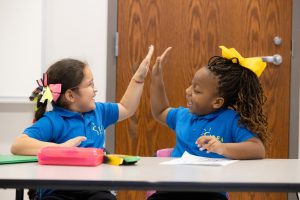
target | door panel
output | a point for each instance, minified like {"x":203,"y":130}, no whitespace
{"x":195,"y":29}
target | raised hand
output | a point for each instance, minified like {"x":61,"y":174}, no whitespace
{"x":161,"y":61}
{"x":158,"y":98}
{"x":143,"y":69}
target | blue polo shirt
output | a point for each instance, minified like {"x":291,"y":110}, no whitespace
{"x":61,"y":125}
{"x":223,"y":124}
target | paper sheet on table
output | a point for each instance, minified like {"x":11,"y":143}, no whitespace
{"x":188,"y":159}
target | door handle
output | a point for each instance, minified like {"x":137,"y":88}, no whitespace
{"x":275,"y":59}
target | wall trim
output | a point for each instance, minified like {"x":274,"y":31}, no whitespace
{"x":112,"y":13}
{"x":294,"y":98}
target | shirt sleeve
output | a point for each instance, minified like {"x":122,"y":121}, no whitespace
{"x":41,"y":130}
{"x":109,"y":112}
{"x":172,"y":118}
{"x":240,"y":132}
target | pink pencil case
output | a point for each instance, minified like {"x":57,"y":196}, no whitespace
{"x":70,"y":156}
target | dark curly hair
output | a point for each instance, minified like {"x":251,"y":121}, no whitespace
{"x":242,"y":92}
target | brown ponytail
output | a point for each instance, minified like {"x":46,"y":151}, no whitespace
{"x":69,"y":73}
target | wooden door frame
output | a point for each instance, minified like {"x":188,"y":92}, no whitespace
{"x":295,"y":84}
{"x":112,"y":24}
{"x":295,"y":73}
{"x":295,"y":87}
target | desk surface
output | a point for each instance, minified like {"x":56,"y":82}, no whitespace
{"x":252,"y":175}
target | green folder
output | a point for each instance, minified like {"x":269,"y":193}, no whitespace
{"x":10,"y":159}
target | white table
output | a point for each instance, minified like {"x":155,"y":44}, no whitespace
{"x":269,"y":175}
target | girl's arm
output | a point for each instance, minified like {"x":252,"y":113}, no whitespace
{"x":250,"y":149}
{"x":133,"y":93}
{"x":158,"y":98}
{"x":25,"y":145}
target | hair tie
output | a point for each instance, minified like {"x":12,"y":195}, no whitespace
{"x":50,"y":92}
{"x":255,"y":64}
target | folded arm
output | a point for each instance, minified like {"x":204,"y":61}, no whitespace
{"x":25,"y":145}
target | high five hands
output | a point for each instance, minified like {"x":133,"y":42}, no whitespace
{"x":143,"y":69}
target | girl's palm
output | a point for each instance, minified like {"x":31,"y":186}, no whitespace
{"x":161,"y":60}
{"x":144,"y":66}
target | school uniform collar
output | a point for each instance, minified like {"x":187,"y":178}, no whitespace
{"x":65,"y":112}
{"x":209,"y":116}
{"x":88,"y":117}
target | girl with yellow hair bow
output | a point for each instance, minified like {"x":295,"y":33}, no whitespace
{"x":223,"y":117}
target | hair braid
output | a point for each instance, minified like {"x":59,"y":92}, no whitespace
{"x":242,"y":92}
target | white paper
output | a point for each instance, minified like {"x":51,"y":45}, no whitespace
{"x":189,"y":159}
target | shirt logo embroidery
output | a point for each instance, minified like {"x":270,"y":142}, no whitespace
{"x":208,"y":133}
{"x":98,"y":129}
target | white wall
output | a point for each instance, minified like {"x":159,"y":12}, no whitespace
{"x":70,"y":28}
{"x":77,"y":29}
{"x":20,"y":47}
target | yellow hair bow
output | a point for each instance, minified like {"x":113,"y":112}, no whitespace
{"x":47,"y":95}
{"x":255,"y":64}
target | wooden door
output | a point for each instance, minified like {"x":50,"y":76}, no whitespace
{"x":195,"y":29}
